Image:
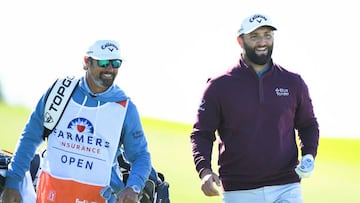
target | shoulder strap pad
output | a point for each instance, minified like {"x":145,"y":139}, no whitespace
{"x":57,"y":101}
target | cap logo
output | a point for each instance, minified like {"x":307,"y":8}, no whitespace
{"x":257,"y":18}
{"x":109,"y":46}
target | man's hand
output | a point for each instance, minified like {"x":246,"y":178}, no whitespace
{"x":128,"y":195}
{"x":207,"y":183}
{"x":11,"y":196}
{"x":306,"y":166}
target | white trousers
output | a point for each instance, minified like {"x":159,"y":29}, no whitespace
{"x":289,"y":193}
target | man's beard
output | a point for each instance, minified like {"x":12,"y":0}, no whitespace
{"x":100,"y":81}
{"x":254,"y":58}
{"x":106,"y":82}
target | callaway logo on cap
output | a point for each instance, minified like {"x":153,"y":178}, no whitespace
{"x":104,"y":49}
{"x":253,"y":22}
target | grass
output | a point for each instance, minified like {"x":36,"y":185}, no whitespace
{"x":336,"y":177}
{"x":12,"y":119}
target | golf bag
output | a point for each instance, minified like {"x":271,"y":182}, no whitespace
{"x":156,"y":189}
{"x":4,"y":161}
{"x":34,"y":169}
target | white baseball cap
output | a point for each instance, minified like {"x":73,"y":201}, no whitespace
{"x":253,"y":22}
{"x":104,"y":50}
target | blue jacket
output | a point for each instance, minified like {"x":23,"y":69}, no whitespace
{"x":256,"y":119}
{"x":133,"y":141}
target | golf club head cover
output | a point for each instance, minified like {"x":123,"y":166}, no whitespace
{"x":306,"y":166}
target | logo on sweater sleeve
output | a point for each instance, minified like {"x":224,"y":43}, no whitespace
{"x":201,"y":107}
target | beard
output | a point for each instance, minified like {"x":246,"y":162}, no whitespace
{"x":258,"y":59}
{"x":102,"y":81}
{"x":106,"y":82}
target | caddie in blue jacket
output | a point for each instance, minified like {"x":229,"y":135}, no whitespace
{"x":81,"y":158}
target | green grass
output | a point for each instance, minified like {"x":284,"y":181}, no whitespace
{"x":336,"y":177}
{"x":12,"y":120}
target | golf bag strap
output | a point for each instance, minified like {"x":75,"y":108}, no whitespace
{"x":56,"y":102}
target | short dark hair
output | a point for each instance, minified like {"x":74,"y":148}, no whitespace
{"x":90,"y":60}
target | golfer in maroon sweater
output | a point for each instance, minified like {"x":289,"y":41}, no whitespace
{"x":257,"y":108}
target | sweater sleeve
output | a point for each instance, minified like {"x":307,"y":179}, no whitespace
{"x":306,"y":122}
{"x":201,"y":149}
{"x":203,"y":133}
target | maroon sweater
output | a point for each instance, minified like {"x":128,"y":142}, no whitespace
{"x":255,"y":119}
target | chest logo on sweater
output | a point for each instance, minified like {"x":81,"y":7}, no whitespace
{"x":281,"y":92}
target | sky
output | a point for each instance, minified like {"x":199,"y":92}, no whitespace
{"x":172,"y":47}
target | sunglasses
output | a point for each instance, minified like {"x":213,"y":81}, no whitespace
{"x":116,"y":63}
